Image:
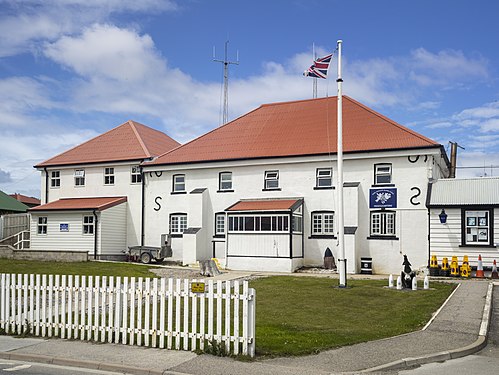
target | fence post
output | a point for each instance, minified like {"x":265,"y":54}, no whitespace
{"x":51,"y":293}
{"x":154,"y":325}
{"x":170,"y":313}
{"x":111,"y":298}
{"x":132,"y":311}
{"x":124,"y":303}
{"x":117,"y":311}
{"x":162,"y":312}
{"x":104,"y":321}
{"x":251,"y":321}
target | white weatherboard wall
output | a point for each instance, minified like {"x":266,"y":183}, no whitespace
{"x":297,"y":178}
{"x":445,"y":239}
{"x":113,"y":230}
{"x":57,"y":240}
{"x":94,"y":187}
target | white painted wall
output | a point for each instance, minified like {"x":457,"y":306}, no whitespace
{"x":297,"y":179}
{"x":113,"y":230}
{"x":94,"y":187}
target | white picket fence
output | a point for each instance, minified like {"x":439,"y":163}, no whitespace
{"x":162,"y":313}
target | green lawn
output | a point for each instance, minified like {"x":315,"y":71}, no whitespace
{"x":303,"y":315}
{"x":75,"y":268}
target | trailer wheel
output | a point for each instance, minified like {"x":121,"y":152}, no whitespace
{"x":145,"y":258}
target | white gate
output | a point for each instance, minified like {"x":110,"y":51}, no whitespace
{"x":164,"y":313}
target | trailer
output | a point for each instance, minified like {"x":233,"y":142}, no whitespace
{"x":146,"y":254}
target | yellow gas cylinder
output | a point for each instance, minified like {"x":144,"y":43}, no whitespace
{"x":454,"y":267}
{"x":445,"y":270}
{"x":465,"y":268}
{"x":434,"y":266}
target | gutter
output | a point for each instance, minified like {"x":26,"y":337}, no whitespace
{"x":96,"y":229}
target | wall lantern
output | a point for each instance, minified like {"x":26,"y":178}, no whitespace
{"x":443,"y":216}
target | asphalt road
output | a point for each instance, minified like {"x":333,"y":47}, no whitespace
{"x":484,"y":362}
{"x":26,"y":368}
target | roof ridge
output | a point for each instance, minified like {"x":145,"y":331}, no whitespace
{"x":297,"y":101}
{"x":139,"y":138}
{"x":401,"y":127}
{"x":205,"y":134}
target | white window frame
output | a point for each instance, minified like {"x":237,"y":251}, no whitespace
{"x":178,"y":187}
{"x":382,"y":223}
{"x":220,"y":224}
{"x":477,"y":227}
{"x":322,"y":223}
{"x":135,"y":175}
{"x":79,"y":177}
{"x":88,"y":225}
{"x":323,"y":175}
{"x":42,"y":226}
{"x":271,"y":177}
{"x":248,"y":223}
{"x":222,"y":180}
{"x":381,"y":172}
{"x":109,"y":176}
{"x":55,"y":179}
{"x":178,"y":223}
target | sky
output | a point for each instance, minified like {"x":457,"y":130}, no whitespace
{"x":73,"y":69}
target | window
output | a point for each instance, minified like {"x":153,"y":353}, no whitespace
{"x":382,"y":223}
{"x":324,"y":178}
{"x":323,"y":223}
{"x":136,"y":175}
{"x":88,"y":225}
{"x":225,"y":181}
{"x":79,"y":177}
{"x":382,"y":174}
{"x":179,"y":183}
{"x":271,"y":180}
{"x":477,"y":227}
{"x":55,"y":179}
{"x":178,"y":223}
{"x":42,"y":225}
{"x":220,"y":224}
{"x":108,"y":176}
{"x":259,"y":223}
{"x":297,"y":224}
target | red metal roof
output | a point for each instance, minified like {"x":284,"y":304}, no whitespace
{"x":307,"y":127}
{"x":73,"y":204}
{"x":25,"y":199}
{"x":264,"y":205}
{"x":129,"y":141}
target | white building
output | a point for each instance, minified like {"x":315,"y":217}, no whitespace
{"x":107,"y":166}
{"x":259,"y":193}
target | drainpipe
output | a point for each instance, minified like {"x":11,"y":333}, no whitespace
{"x":429,"y":236}
{"x":46,"y":185}
{"x":143,"y":204}
{"x":96,"y":228}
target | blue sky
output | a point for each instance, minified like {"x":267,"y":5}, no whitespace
{"x":72,"y":69}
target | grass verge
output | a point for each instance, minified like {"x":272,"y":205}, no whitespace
{"x":305,"y":315}
{"x":75,"y":268}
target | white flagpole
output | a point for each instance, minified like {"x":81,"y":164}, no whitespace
{"x":342,"y":263}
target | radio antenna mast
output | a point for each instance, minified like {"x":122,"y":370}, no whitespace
{"x":226,"y":63}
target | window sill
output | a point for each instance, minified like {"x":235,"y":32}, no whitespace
{"x":177,"y":235}
{"x":219,"y":236}
{"x":323,"y":236}
{"x":225,"y":191}
{"x":383,"y":185}
{"x":178,"y":192}
{"x":477,"y":245}
{"x":272,"y":189}
{"x":324,"y":187}
{"x":390,"y":238}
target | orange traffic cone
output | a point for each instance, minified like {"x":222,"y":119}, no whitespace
{"x":494,"y":271}
{"x":479,"y":268}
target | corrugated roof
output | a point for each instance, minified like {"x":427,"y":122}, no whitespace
{"x":307,"y":127}
{"x":129,"y":141}
{"x":72,"y":204}
{"x":7,"y":203}
{"x":264,"y":205}
{"x":460,"y":192}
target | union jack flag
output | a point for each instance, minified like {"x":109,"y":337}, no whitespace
{"x":319,"y":68}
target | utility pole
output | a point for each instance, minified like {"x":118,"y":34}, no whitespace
{"x":226,"y":62}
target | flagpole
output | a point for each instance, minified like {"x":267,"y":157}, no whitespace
{"x":342,"y":263}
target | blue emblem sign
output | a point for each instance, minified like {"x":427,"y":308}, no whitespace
{"x":64,"y":227}
{"x":383,"y":198}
